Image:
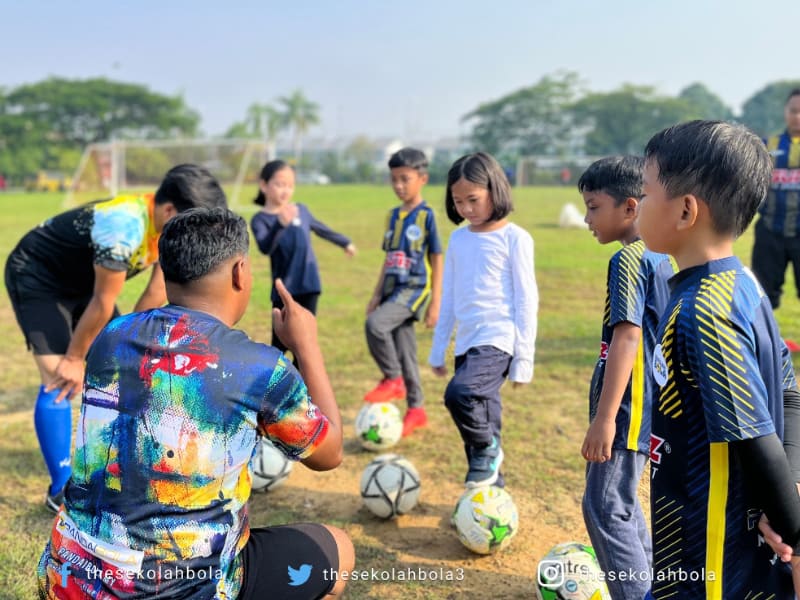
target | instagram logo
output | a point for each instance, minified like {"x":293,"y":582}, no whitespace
{"x":550,"y":574}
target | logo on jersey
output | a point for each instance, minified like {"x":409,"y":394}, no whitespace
{"x":603,"y":350}
{"x":786,"y":177}
{"x":660,"y":371}
{"x":413,"y":233}
{"x":398,"y":260}
{"x":657,"y":448}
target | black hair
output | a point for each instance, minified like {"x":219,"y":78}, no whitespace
{"x":197,"y":241}
{"x":483,"y":170}
{"x":726,"y":166}
{"x":409,"y":157}
{"x":189,"y":186}
{"x":267,"y":171}
{"x":792,"y":94}
{"x":618,"y":176}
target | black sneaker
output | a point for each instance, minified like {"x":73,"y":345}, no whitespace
{"x":53,"y":502}
{"x":484,"y":465}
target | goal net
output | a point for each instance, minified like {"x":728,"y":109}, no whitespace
{"x":106,"y":169}
{"x":551,"y":170}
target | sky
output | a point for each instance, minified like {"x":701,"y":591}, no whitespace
{"x":405,"y":68}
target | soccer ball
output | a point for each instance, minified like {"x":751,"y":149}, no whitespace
{"x":379,"y":426}
{"x":271,"y":467}
{"x":486,"y":519}
{"x":570,"y":572}
{"x":390,"y":486}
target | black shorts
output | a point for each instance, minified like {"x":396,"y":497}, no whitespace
{"x":47,"y":321}
{"x":272,"y":554}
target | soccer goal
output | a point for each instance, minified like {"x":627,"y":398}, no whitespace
{"x":108,"y":168}
{"x":551,"y":170}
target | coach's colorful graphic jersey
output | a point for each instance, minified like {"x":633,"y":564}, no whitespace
{"x":781,"y":209}
{"x":157,"y":505}
{"x":636,"y":293}
{"x":59,"y":255}
{"x":408,"y":239}
{"x":722,"y":367}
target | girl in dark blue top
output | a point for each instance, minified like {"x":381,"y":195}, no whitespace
{"x":282,"y":230}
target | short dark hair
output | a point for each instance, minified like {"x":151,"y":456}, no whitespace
{"x":794,"y":92}
{"x":267,"y":171}
{"x":618,"y":176}
{"x":188,"y":186}
{"x":409,"y":157}
{"x":727,"y":166}
{"x":196,"y":242}
{"x":483,"y":170}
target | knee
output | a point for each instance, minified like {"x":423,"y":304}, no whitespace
{"x":347,"y":557}
{"x":455,"y":393}
{"x":372,"y":326}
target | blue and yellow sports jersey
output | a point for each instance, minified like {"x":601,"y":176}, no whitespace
{"x":173,"y":404}
{"x":780,"y":211}
{"x":722,"y":367}
{"x":408,"y":240}
{"x":637,"y":293}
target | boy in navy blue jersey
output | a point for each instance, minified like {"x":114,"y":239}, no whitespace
{"x":716,"y":452}
{"x":617,"y":442}
{"x":411,"y":275}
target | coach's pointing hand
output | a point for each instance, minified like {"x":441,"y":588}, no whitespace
{"x":295,"y":326}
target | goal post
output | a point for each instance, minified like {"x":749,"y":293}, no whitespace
{"x":108,"y":168}
{"x":551,"y":170}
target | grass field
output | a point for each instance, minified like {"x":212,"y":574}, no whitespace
{"x":544,"y":422}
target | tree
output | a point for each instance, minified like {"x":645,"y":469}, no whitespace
{"x":46,"y":125}
{"x":301,"y":113}
{"x":79,"y":112}
{"x":704,"y":103}
{"x":763,"y":111}
{"x":532,"y":120}
{"x":621,"y":122}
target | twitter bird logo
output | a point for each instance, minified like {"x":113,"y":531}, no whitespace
{"x":299,"y":576}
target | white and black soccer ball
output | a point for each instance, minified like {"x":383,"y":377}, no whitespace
{"x":570,"y":571}
{"x":486,"y":519}
{"x":271,"y":467}
{"x":379,"y":426}
{"x":390,"y":486}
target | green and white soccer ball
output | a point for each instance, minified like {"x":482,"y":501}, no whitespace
{"x":271,"y":467}
{"x":570,"y":571}
{"x":486,"y":519}
{"x":379,"y":426}
{"x":390,"y":486}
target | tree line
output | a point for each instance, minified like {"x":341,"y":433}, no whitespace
{"x":558,"y":116}
{"x":46,"y":125}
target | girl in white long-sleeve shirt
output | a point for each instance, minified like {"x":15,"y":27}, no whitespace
{"x":489,"y":295}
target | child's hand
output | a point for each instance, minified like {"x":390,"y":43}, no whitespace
{"x":294,"y":325}
{"x":350,"y":249}
{"x":287,"y":214}
{"x":431,"y":316}
{"x":597,"y":443}
{"x":439,"y":371}
{"x":784,"y":551}
{"x":373,"y":304}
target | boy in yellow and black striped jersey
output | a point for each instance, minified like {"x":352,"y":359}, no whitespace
{"x":724,"y":423}
{"x":617,"y":442}
{"x":410,"y":277}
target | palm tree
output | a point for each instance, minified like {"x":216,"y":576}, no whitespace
{"x":301,"y":113}
{"x":265,"y":121}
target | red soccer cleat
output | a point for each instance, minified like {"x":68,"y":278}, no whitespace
{"x":792,"y":345}
{"x":415,"y":417}
{"x":387,"y":390}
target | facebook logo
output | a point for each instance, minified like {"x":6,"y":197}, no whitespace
{"x":64,"y":574}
